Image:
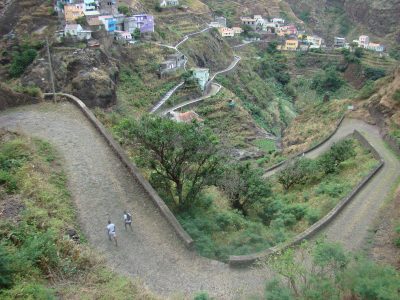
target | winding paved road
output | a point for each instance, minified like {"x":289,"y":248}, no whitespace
{"x":102,"y":188}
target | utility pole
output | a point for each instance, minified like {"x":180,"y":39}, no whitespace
{"x":51,"y":70}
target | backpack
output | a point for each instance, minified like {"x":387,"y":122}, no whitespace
{"x":128,"y":217}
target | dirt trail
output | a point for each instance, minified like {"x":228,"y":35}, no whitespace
{"x":102,"y":188}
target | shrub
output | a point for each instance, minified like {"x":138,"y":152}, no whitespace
{"x":29,"y":291}
{"x":274,"y":290}
{"x":367,"y":90}
{"x":201,"y":296}
{"x":312,"y":216}
{"x":21,"y":60}
{"x":338,"y":153}
{"x":372,"y":73}
{"x":298,"y":171}
{"x":396,"y":96}
{"x":329,"y":81}
{"x":6,"y":269}
{"x":123,"y":9}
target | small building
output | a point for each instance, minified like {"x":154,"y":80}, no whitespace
{"x":201,"y":75}
{"x":119,"y":24}
{"x":124,"y":36}
{"x":94,"y":23}
{"x":226,"y":32}
{"x":270,"y":27}
{"x":221,"y":21}
{"x":291,"y":45}
{"x":172,"y":63}
{"x":376,"y":47}
{"x":278,"y":21}
{"x":169,"y":3}
{"x":91,"y":5}
{"x":237,"y":30}
{"x":185,"y":117}
{"x":73,"y":12}
{"x":287,"y":30}
{"x":76,"y":31}
{"x":109,"y":23}
{"x":339,"y":42}
{"x":363,"y":41}
{"x":108,"y":7}
{"x":144,"y":22}
{"x":314,"y":41}
{"x":249,"y":22}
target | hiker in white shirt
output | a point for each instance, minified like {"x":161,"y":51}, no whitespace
{"x":127,"y":220}
{"x":111,"y":232}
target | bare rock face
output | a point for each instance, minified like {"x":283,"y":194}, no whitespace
{"x":86,"y":73}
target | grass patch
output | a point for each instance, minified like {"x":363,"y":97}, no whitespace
{"x":38,"y":260}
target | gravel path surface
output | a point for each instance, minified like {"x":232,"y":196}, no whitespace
{"x":102,"y":188}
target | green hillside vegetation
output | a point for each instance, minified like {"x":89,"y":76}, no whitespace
{"x":229,"y":209}
{"x":326,"y":271}
{"x":37,"y":258}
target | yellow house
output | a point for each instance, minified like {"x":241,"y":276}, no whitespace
{"x":291,"y":45}
{"x":73,"y":12}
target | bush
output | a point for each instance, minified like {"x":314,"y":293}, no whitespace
{"x":372,"y":73}
{"x":201,"y":296}
{"x":29,"y":291}
{"x":367,"y":90}
{"x":6,"y":269}
{"x":312,"y":216}
{"x":396,"y":96}
{"x":329,"y":81}
{"x":338,"y":153}
{"x":21,"y":60}
{"x":274,"y":290}
{"x":123,"y":9}
{"x":298,"y":171}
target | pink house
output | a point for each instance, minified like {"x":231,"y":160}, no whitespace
{"x":363,"y":41}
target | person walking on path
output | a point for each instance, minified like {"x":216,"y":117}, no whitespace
{"x":111,"y":232}
{"x":127,"y":220}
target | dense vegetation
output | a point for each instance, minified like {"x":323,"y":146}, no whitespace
{"x":230,"y":209}
{"x":38,"y":260}
{"x":332,"y":273}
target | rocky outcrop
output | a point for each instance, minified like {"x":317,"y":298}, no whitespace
{"x":88,"y":74}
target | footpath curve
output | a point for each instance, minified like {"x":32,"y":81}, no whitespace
{"x":102,"y":188}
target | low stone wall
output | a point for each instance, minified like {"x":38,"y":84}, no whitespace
{"x":310,"y":149}
{"x":9,"y":98}
{"x":133,"y":170}
{"x":244,"y":260}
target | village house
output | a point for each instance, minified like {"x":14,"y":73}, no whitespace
{"x":249,"y":22}
{"x":237,"y":30}
{"x":123,"y":36}
{"x":73,"y":12}
{"x":314,"y":41}
{"x":169,"y":3}
{"x":185,"y":117}
{"x":201,"y":75}
{"x":172,"y":63}
{"x":109,"y":23}
{"x":119,"y":21}
{"x":291,"y":45}
{"x":94,"y":23}
{"x":91,"y":5}
{"x":76,"y":31}
{"x":226,"y":32}
{"x":363,"y":41}
{"x":108,"y":7}
{"x":376,"y":47}
{"x":144,"y":22}
{"x":339,"y":42}
{"x":278,"y":21}
{"x":287,"y":30}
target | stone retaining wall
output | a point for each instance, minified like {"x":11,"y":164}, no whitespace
{"x":243,"y":260}
{"x":133,"y":170}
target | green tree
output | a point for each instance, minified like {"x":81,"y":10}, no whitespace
{"x":123,"y":9}
{"x":244,"y":186}
{"x":298,"y":171}
{"x":183,"y":157}
{"x":81,"y":21}
{"x":136,"y":34}
{"x":339,"y":152}
{"x":328,"y":81}
{"x":21,"y":60}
